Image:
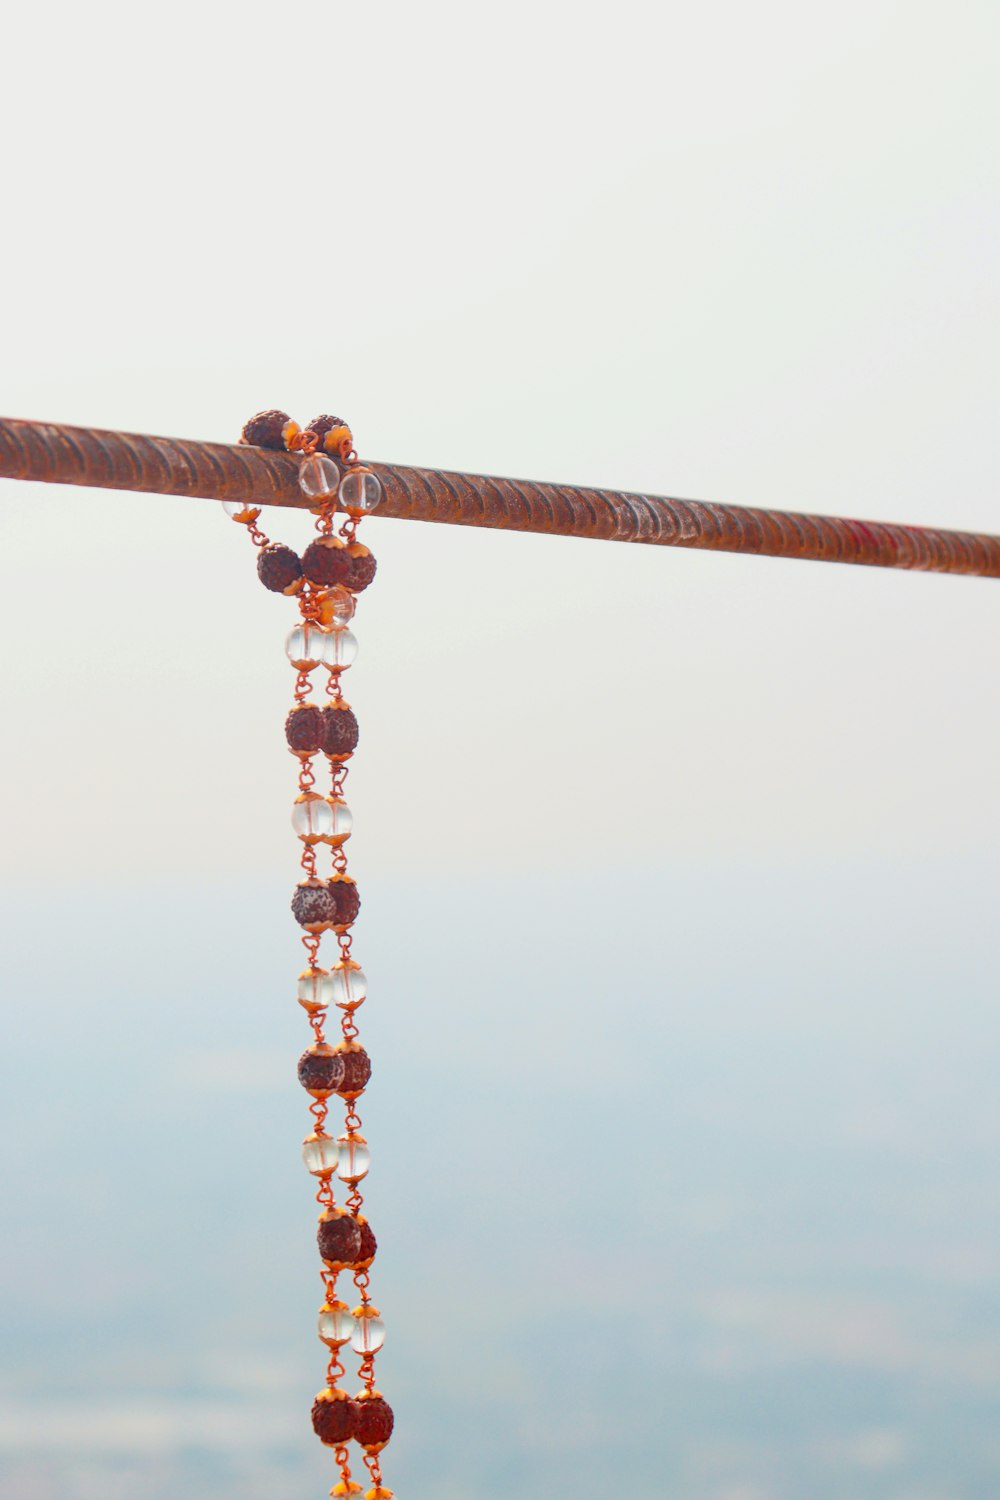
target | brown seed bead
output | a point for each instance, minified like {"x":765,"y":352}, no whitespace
{"x":338,"y":1238}
{"x":326,"y":561}
{"x":333,"y":1417}
{"x":322,"y":425}
{"x":315,"y":907}
{"x":279,"y":569}
{"x":345,"y":893}
{"x":369,"y":1244}
{"x":266,"y":429}
{"x":305,"y":729}
{"x":373,"y":1420}
{"x":334,"y":435}
{"x":321,"y":1070}
{"x":357,"y":1070}
{"x":340,"y":730}
{"x":362,"y":568}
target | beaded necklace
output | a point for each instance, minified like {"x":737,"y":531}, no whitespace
{"x":325,"y":582}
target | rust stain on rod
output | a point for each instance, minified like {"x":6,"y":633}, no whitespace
{"x":222,"y":471}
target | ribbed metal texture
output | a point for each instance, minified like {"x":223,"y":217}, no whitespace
{"x":221,"y":471}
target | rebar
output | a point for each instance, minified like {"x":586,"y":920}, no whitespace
{"x":57,"y":454}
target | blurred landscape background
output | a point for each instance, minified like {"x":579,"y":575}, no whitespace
{"x":679,"y":872}
{"x":713,"y":1211}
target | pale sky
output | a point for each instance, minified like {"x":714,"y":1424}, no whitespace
{"x":735,"y":254}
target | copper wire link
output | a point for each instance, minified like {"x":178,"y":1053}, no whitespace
{"x":58,"y":454}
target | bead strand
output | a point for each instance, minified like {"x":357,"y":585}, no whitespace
{"x":374,"y":1419}
{"x":325,"y":581}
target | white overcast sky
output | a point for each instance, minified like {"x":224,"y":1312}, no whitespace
{"x":742,"y":253}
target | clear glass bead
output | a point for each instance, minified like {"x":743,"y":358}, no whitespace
{"x":241,"y":510}
{"x":310,"y":645}
{"x":322,"y":820}
{"x":313,"y":818}
{"x":360,"y":491}
{"x":342,"y":822}
{"x":305,"y":645}
{"x":337,"y":608}
{"x":320,"y":1154}
{"x":340,"y":648}
{"x":348,"y":985}
{"x":316,"y":989}
{"x":353,"y":1158}
{"x":319,"y":477}
{"x":369,"y":1331}
{"x":336,"y":1323}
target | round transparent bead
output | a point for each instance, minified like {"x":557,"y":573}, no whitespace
{"x":310,"y":645}
{"x":305,"y":645}
{"x":319,"y":477}
{"x":316,"y":989}
{"x":348,"y":985}
{"x":353,"y":1158}
{"x":313,"y":818}
{"x":337,"y":608}
{"x":320,"y":1154}
{"x":360,"y":491}
{"x":340,"y":649}
{"x":336,"y":1324}
{"x":369,"y":1330}
{"x":241,"y":510}
{"x":342,"y":822}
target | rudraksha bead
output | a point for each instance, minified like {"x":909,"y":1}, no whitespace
{"x":361,"y":569}
{"x":315,"y":906}
{"x":279,"y":569}
{"x":324,"y":426}
{"x":357,"y":1069}
{"x":339,"y":732}
{"x":321,"y":1070}
{"x":373,"y":1420}
{"x":368,"y":1246}
{"x":345,"y":894}
{"x":306,"y":730}
{"x":327,"y":561}
{"x":338,"y":1238}
{"x":268,"y":429}
{"x":333,"y":1417}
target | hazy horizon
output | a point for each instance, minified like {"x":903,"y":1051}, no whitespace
{"x":718,"y":1215}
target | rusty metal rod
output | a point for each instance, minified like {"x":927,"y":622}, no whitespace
{"x":222,"y":471}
